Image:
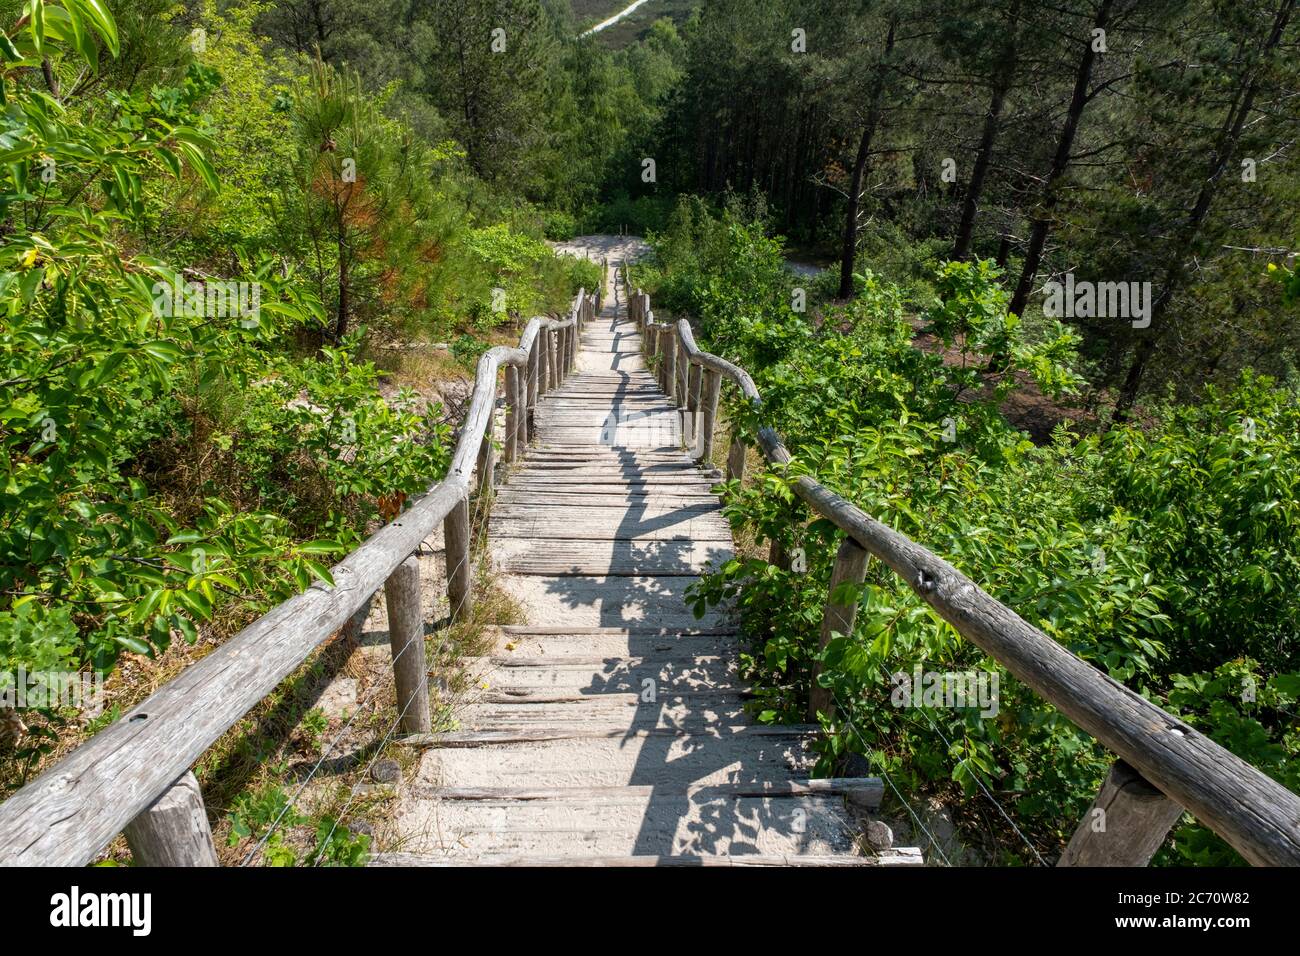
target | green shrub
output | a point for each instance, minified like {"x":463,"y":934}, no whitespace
{"x":1165,"y":556}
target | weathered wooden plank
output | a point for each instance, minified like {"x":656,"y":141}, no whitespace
{"x":617,"y":566}
{"x":866,"y":792}
{"x":898,"y":856}
{"x":463,"y":739}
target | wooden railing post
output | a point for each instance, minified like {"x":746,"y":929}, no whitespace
{"x":512,"y":414}
{"x":534,"y":371}
{"x":651,"y":337}
{"x":1125,"y":825}
{"x":694,"y":379}
{"x":544,"y":381}
{"x":406,"y":638}
{"x":669,"y":350}
{"x":459,"y":573}
{"x":521,"y":420}
{"x":736,"y":460}
{"x":173,"y":830}
{"x":850,"y":567}
{"x":487,"y":454}
{"x":553,"y":356}
{"x":711,"y":387}
{"x":683,"y":365}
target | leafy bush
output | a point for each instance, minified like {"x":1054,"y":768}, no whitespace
{"x":116,"y":537}
{"x":1165,"y":557}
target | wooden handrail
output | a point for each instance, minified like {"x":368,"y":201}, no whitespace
{"x":122,"y":775}
{"x":1256,"y":815}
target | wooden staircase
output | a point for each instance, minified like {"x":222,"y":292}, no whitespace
{"x":611,"y":729}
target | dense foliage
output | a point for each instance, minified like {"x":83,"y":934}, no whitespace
{"x":205,"y":241}
{"x":1164,"y":555}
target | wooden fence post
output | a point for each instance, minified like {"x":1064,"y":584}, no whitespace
{"x":553,"y":357}
{"x":173,"y":830}
{"x":533,"y":372}
{"x":487,"y":453}
{"x":711,"y":386}
{"x":512,"y":414}
{"x":691,"y":417}
{"x":669,"y":363}
{"x":656,"y":347}
{"x":1125,"y":825}
{"x":459,"y":573}
{"x":406,"y":637}
{"x":736,"y":460}
{"x":543,"y":363}
{"x":683,"y":371}
{"x":850,"y":567}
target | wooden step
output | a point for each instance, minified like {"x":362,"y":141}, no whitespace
{"x":616,"y":642}
{"x":614,"y":554}
{"x":561,"y":759}
{"x":597,"y":675}
{"x":899,"y":856}
{"x":634,"y":822}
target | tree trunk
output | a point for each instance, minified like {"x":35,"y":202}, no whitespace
{"x":1221,"y":155}
{"x":848,"y":252}
{"x":341,"y":326}
{"x":1042,"y":223}
{"x":984,"y":158}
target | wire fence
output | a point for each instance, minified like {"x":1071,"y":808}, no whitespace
{"x":477,"y":512}
{"x":848,"y":714}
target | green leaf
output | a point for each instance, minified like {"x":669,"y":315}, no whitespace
{"x":97,"y":13}
{"x":166,"y":352}
{"x":36,"y":24}
{"x":319,"y":571}
{"x":8,"y":50}
{"x":134,"y":644}
{"x":320,"y":547}
{"x":194,"y":156}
